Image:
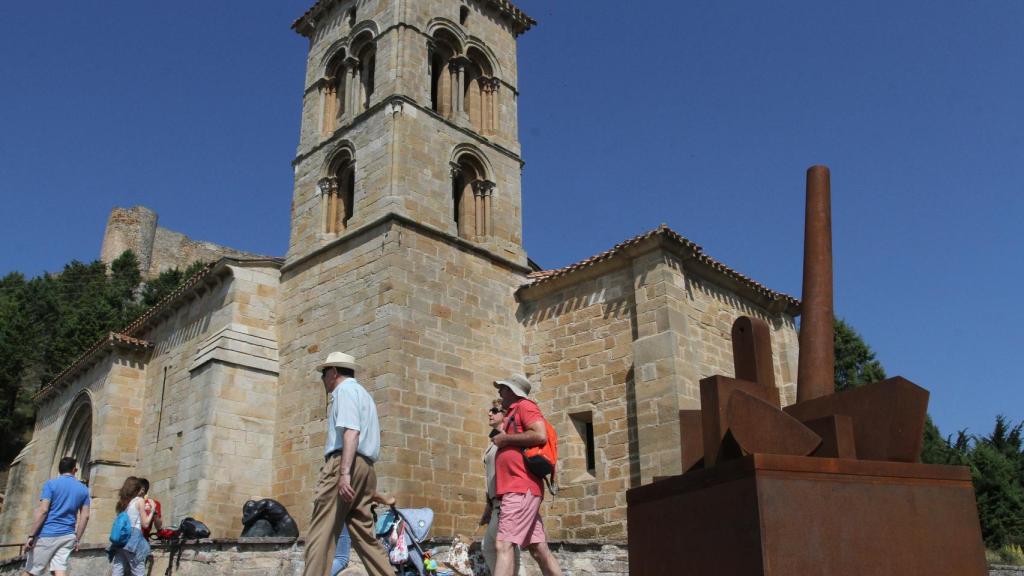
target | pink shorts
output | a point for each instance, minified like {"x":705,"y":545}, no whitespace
{"x":519,"y":519}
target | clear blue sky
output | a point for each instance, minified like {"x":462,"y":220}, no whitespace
{"x":702,"y":115}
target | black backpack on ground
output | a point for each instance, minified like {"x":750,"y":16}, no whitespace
{"x":192,"y":529}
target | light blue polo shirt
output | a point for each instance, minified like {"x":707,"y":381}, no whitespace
{"x":352,"y":407}
{"x":66,"y":495}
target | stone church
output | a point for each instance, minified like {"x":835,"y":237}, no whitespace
{"x":405,"y":251}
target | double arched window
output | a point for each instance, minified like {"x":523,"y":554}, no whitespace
{"x":337,"y":192}
{"x":349,"y":81}
{"x":463,"y":84}
{"x":472,"y":193}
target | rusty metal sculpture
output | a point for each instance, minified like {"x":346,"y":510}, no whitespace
{"x":828,"y":485}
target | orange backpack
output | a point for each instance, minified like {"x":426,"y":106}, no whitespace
{"x":542,"y":460}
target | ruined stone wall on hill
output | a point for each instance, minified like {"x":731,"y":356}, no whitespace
{"x":158,"y":249}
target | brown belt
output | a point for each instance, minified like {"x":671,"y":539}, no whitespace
{"x":337,"y":452}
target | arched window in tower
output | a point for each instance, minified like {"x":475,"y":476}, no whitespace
{"x":76,"y":436}
{"x":471,"y":198}
{"x":367,"y":72}
{"x":444,"y":47}
{"x":480,"y":92}
{"x":332,"y":94}
{"x":362,"y":66}
{"x":337,"y":194}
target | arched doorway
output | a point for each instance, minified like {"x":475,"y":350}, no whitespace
{"x":76,"y":436}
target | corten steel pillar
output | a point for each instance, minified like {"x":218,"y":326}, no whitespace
{"x":815,"y":376}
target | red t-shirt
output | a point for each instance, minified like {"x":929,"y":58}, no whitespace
{"x":509,"y":468}
{"x":152,"y":524}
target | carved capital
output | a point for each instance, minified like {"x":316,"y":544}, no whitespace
{"x":457,"y":63}
{"x":483,"y":187}
{"x":456,"y":170}
{"x":328,"y":185}
{"x":352,"y":65}
{"x":395,"y":106}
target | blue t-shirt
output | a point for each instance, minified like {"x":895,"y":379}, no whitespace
{"x":66,"y":495}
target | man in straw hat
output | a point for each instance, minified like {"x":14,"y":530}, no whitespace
{"x":521,"y":493}
{"x":347,"y":479}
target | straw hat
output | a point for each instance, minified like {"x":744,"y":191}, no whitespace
{"x":339,"y":359}
{"x":517,"y":383}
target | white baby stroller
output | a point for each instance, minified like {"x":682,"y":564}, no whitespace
{"x":401,"y":531}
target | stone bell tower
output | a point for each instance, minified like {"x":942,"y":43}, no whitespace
{"x":406,"y":240}
{"x":409,"y":108}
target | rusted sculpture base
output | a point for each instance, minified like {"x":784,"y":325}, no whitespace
{"x":792,"y":516}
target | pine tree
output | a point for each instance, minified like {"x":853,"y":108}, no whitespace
{"x":48,"y":322}
{"x":855,"y":362}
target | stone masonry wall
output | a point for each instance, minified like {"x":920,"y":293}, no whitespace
{"x":454,"y":331}
{"x":339,"y":300}
{"x":206,"y":443}
{"x":579,"y":355}
{"x":112,"y":389}
{"x":284,"y":557}
{"x":401,"y":148}
{"x":625,"y":350}
{"x":432,"y":325}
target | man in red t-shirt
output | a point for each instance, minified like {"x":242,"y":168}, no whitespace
{"x":521,"y":493}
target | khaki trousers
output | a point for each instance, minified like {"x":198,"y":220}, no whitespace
{"x":330,"y":512}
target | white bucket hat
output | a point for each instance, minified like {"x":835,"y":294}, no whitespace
{"x":517,"y":383}
{"x":340,"y":360}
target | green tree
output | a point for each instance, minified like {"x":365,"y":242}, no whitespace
{"x":48,"y":322}
{"x":122,"y":285}
{"x":855,"y":362}
{"x":1000,"y":495}
{"x":15,"y":356}
{"x":161,"y":286}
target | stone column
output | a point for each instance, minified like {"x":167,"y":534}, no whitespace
{"x":328,"y":92}
{"x":482,"y":206}
{"x":495,"y":107}
{"x":490,"y":88}
{"x":329,"y":200}
{"x":458,"y":67}
{"x":353,"y":92}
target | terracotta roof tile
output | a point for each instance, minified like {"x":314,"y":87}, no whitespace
{"x":102,"y":346}
{"x":697,"y":253}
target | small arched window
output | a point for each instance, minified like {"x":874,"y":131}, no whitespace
{"x":463,"y":15}
{"x":337,"y":194}
{"x":471,"y":198}
{"x":444,"y":72}
{"x":368,"y":71}
{"x":333,"y":94}
{"x":480,"y":92}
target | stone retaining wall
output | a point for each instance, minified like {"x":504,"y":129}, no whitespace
{"x":283,"y":557}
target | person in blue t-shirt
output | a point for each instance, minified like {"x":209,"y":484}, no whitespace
{"x":59,"y":523}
